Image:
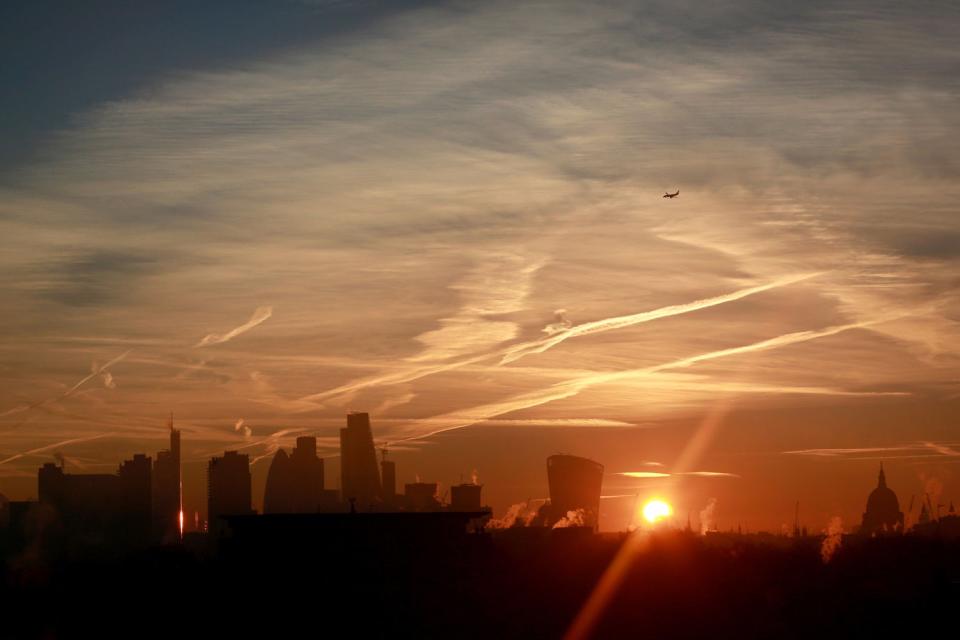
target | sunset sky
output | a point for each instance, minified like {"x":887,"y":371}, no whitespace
{"x":260,"y":215}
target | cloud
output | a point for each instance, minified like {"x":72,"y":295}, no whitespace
{"x":242,"y":428}
{"x":515,"y":352}
{"x":97,"y":371}
{"x":571,"y":388}
{"x":53,"y":446}
{"x":97,"y":278}
{"x":622,"y":322}
{"x":913,"y":450}
{"x":260,"y":315}
{"x":656,"y":474}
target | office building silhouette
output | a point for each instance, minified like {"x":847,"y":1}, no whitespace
{"x":167,"y":490}
{"x":388,"y":472}
{"x":99,"y":508}
{"x":359,"y":476}
{"x":295,"y":483}
{"x":136,"y":496}
{"x":575,"y":485}
{"x":421,"y":496}
{"x":465,"y":497}
{"x":228,"y":487}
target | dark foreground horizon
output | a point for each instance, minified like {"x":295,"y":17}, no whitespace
{"x":518,"y":583}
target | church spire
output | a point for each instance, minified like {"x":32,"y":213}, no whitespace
{"x":882,"y":481}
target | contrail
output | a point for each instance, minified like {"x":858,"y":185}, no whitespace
{"x":96,"y":372}
{"x":620,"y":322}
{"x":515,"y":352}
{"x":52,"y":446}
{"x":570,"y":388}
{"x":258,"y":317}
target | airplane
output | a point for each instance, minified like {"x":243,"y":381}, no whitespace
{"x":671,"y":195}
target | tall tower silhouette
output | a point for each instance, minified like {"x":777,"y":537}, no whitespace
{"x":359,"y":476}
{"x":166,"y":489}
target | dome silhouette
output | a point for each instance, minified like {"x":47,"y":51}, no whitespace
{"x":883,"y":513}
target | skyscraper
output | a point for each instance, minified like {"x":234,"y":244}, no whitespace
{"x":278,"y":493}
{"x":228,"y":487}
{"x":166,"y":489}
{"x":308,"y":474}
{"x":295,"y":482}
{"x":388,"y":472}
{"x":359,"y":477}
{"x":136,"y":497}
{"x":575,"y":485}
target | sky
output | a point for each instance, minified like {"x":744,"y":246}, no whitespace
{"x":262,"y":215}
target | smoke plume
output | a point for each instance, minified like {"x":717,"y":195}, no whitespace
{"x":572,"y":519}
{"x":708,"y":517}
{"x":518,"y":515}
{"x":834,"y":537}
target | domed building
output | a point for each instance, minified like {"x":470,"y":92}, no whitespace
{"x":883,"y":513}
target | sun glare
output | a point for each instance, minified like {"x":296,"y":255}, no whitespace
{"x":656,"y":510}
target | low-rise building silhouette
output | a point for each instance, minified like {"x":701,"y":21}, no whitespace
{"x":421,"y":496}
{"x":96,"y":508}
{"x":465,"y":497}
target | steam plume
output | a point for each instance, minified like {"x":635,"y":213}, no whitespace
{"x":575,"y":518}
{"x":834,"y":537}
{"x":708,"y":517}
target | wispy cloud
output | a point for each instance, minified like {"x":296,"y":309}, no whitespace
{"x":96,"y":370}
{"x":515,"y":352}
{"x":573,"y":387}
{"x":911,"y":450}
{"x":656,"y":474}
{"x":621,"y":322}
{"x":260,"y":315}
{"x":53,"y":446}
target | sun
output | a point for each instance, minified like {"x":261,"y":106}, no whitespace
{"x":656,"y":510}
